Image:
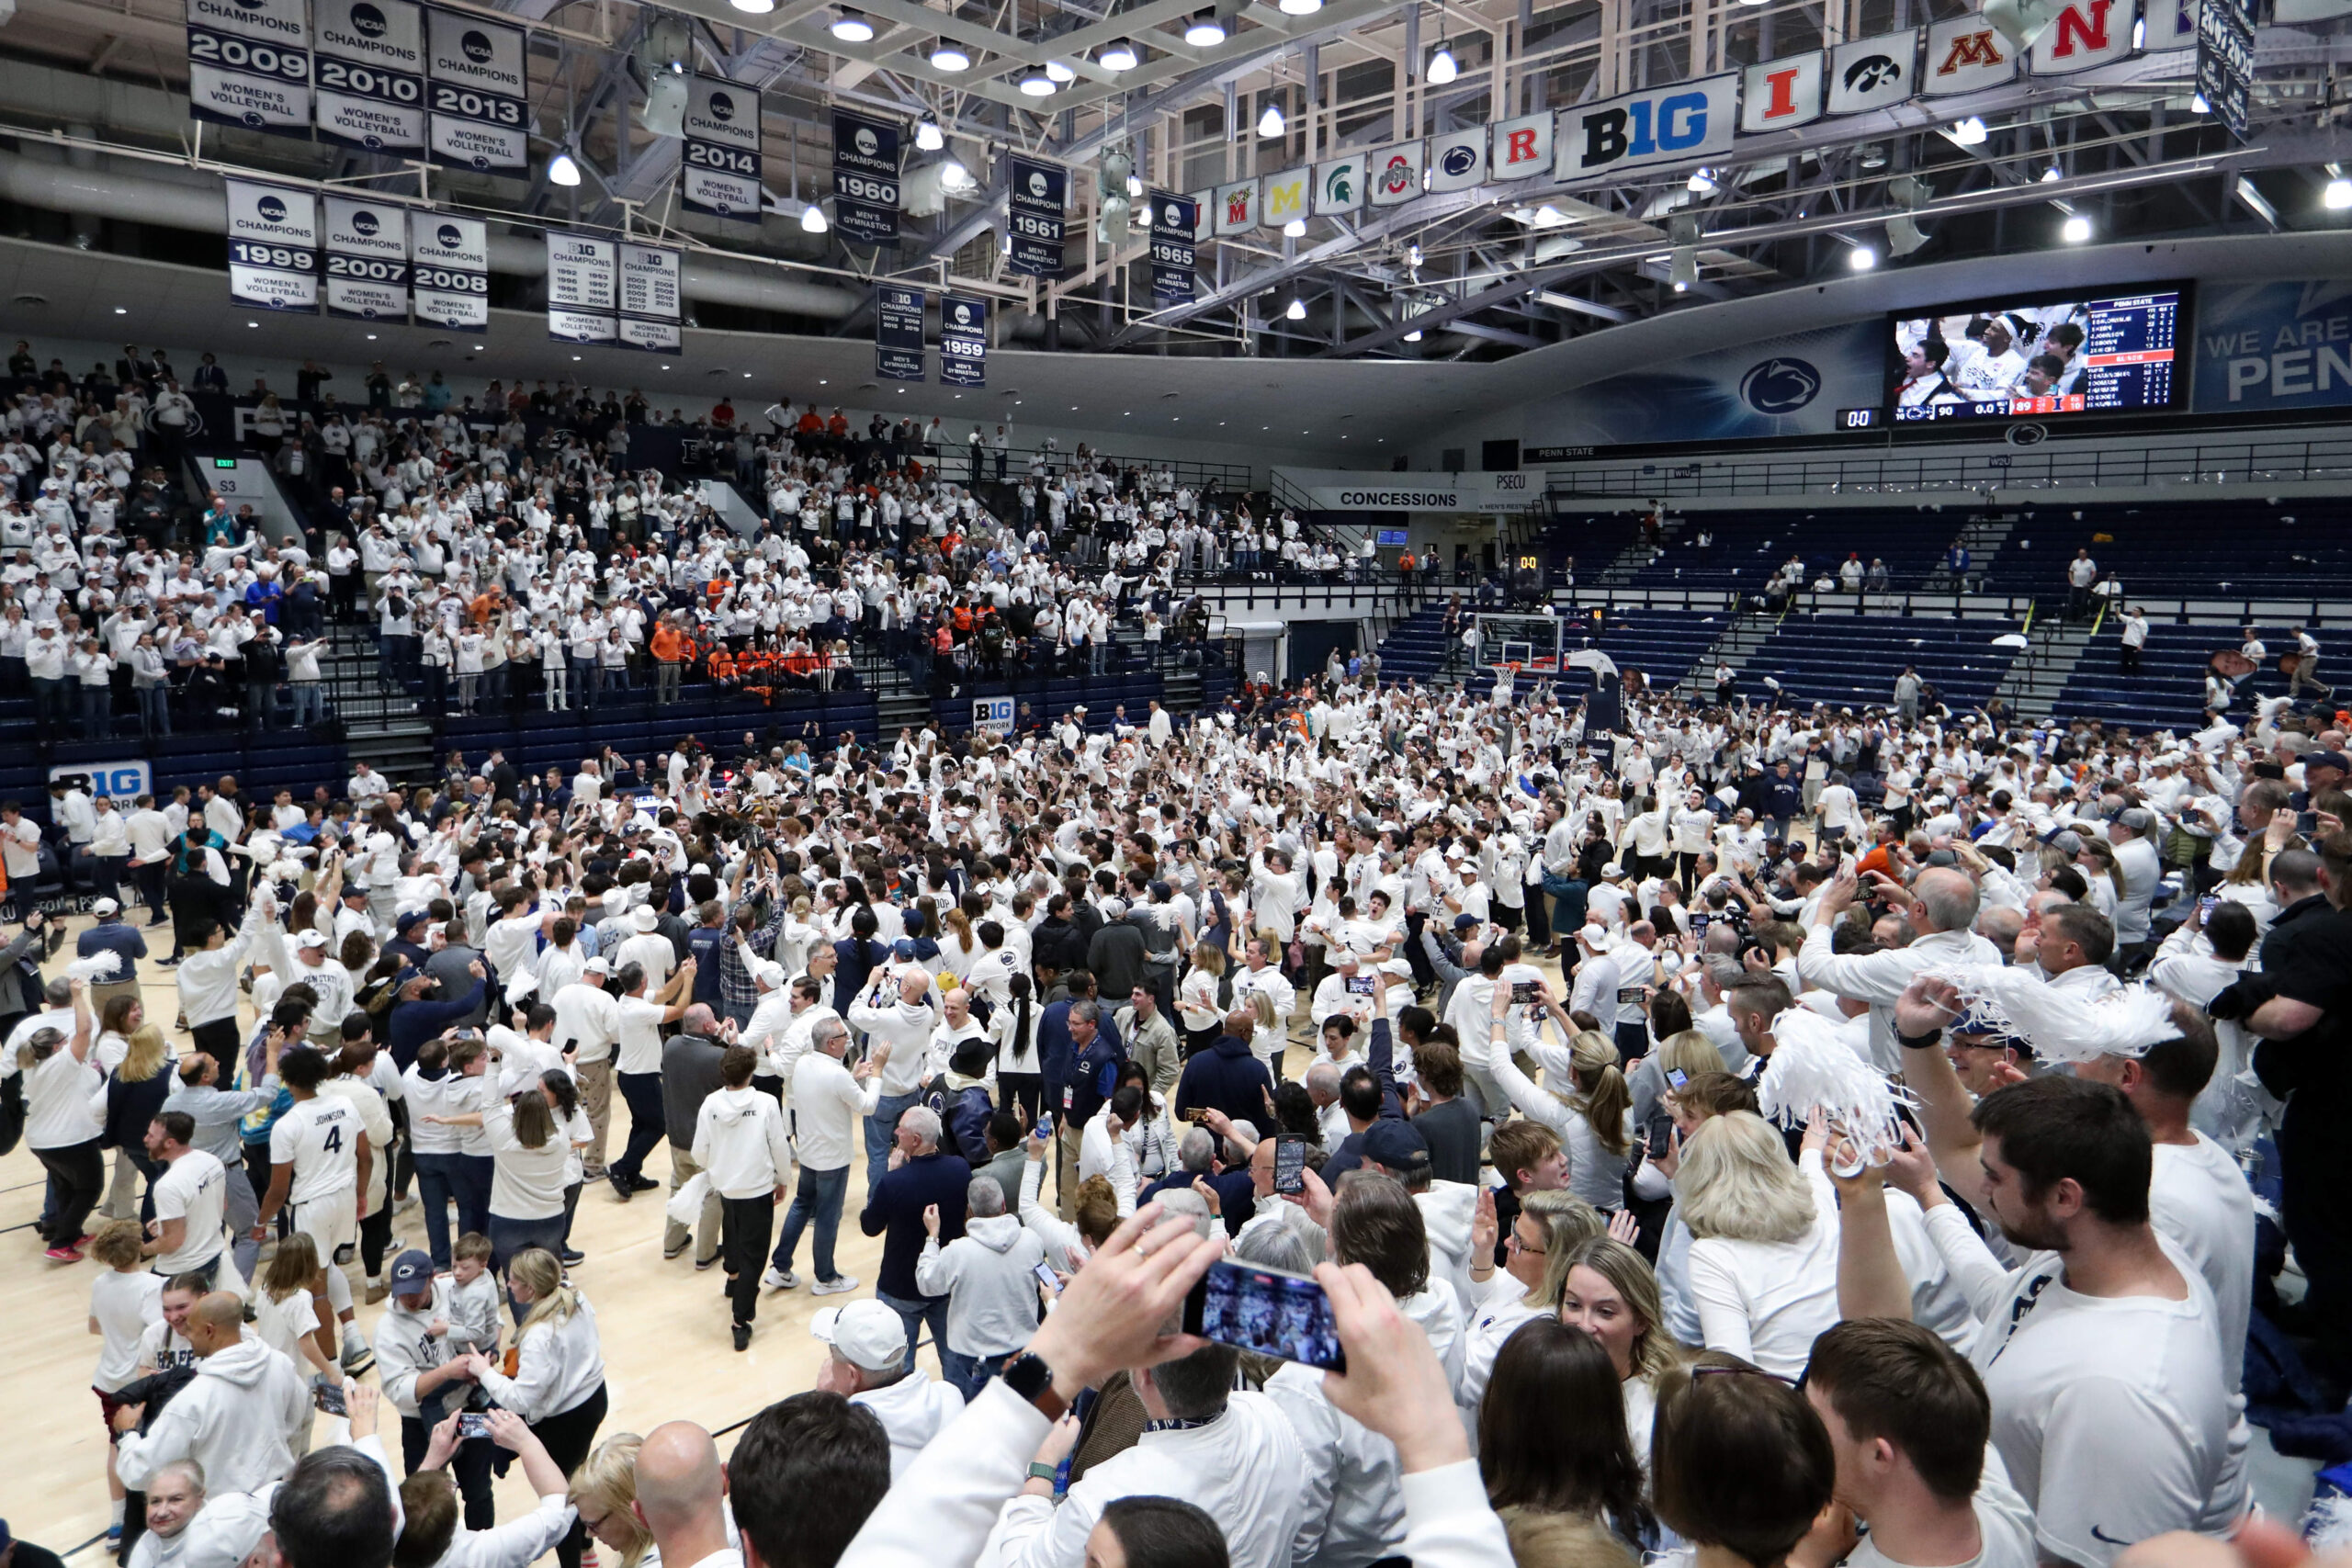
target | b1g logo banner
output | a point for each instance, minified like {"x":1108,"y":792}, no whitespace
{"x":1173,"y":221}
{"x":865,"y":178}
{"x":964,"y":341}
{"x":898,"y":333}
{"x":249,"y":63}
{"x":474,"y":93}
{"x":1034,"y":209}
{"x":653,"y":297}
{"x":371,"y":74}
{"x":720,"y":175}
{"x":1688,"y":122}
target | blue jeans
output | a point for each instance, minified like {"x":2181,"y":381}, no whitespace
{"x":968,"y":1373}
{"x":880,"y":1128}
{"x":508,"y":1237}
{"x":436,"y":1183}
{"x":920,"y":1310}
{"x":310,"y":703}
{"x":154,"y":709}
{"x":647,"y":1121}
{"x":472,"y":1174}
{"x":818,"y":1195}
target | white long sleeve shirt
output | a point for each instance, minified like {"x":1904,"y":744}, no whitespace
{"x":1352,"y":1509}
{"x":559,"y":1365}
{"x":827,"y":1105}
{"x":739,"y":1140}
{"x":208,"y":979}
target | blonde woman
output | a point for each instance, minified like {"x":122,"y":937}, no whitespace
{"x":558,"y":1382}
{"x":2097,"y":863}
{"x":137,"y":1059}
{"x":1607,"y":1290}
{"x":1197,"y":1008}
{"x":604,"y":1491}
{"x":1593,"y":1121}
{"x":293,"y":1318}
{"x":1763,"y":1264}
{"x":1680,"y":1057}
{"x":1549,"y":1224}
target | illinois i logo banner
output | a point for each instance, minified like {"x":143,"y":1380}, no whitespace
{"x":1781,"y":94}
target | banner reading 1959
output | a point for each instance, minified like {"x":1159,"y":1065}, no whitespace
{"x":964,"y":341}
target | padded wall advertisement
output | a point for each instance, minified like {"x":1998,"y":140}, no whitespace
{"x":1787,"y":386}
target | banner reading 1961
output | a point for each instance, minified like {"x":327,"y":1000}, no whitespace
{"x":964,"y":341}
{"x":898,"y":333}
{"x":1034,"y":218}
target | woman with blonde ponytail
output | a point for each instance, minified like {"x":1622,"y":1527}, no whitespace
{"x":1593,"y":1121}
{"x":554,"y":1377}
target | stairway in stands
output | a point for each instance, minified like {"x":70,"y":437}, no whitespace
{"x":1415,"y":648}
{"x":2043,"y":667}
{"x":1637,"y":555}
{"x":1984,"y":535}
{"x":1748,"y":632}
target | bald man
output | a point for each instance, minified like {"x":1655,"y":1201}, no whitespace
{"x":235,"y":1418}
{"x":1941,"y":904}
{"x":680,"y":1487}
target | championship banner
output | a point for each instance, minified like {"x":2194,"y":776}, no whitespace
{"x":273,"y":247}
{"x":368,"y":272}
{"x":2225,"y":62}
{"x":371,"y":74}
{"x":1396,"y":174}
{"x":652,"y":301}
{"x":964,"y":341}
{"x":1173,"y":220}
{"x":865,"y":178}
{"x":449,"y":261}
{"x":1034,"y":212}
{"x":1688,"y":122}
{"x":720,"y":176}
{"x":474,"y":91}
{"x":583,"y":289}
{"x":249,"y":63}
{"x":898,"y":332}
{"x":1338,"y":182}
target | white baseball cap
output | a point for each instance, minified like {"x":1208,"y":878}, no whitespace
{"x":867,"y":1333}
{"x":312,"y":939}
{"x":106,"y":906}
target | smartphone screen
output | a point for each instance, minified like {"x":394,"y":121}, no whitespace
{"x":1359,"y":985}
{"x":328,"y":1397}
{"x":473,"y":1424}
{"x":1290,"y":1163}
{"x":1048,"y":1278}
{"x":1523,"y":992}
{"x":2205,"y":906}
{"x":1268,"y":1310}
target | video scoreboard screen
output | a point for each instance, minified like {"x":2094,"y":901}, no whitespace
{"x":2118,"y":354}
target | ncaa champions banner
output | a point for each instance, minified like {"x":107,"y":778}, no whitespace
{"x":273,"y":247}
{"x":1173,"y":219}
{"x":583,"y":289}
{"x":898,"y":333}
{"x":1034,"y":218}
{"x":652,"y":305}
{"x":474,"y":93}
{"x":367,"y":278}
{"x":450,"y":264}
{"x":720,"y":176}
{"x":865,"y":178}
{"x":963,"y":340}
{"x":249,"y":63}
{"x":371,"y":74}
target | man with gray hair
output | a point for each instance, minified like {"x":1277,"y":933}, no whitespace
{"x":2132,"y":834}
{"x":828,"y":1100}
{"x":986,"y":1277}
{"x":921,"y":1198}
{"x":1941,"y":904}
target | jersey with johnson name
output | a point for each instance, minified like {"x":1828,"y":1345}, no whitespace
{"x":320,"y":1138}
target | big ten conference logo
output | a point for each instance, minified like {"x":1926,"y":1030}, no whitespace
{"x":867,"y":142}
{"x":1967,"y":50}
{"x":1459,"y":159}
{"x":1643,"y":127}
{"x":992,"y":713}
{"x":1397,"y":175}
{"x":1779,"y":385}
{"x":120,"y":781}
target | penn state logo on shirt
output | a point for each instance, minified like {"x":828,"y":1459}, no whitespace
{"x":1779,"y":385}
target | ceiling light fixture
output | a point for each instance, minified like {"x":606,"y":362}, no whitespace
{"x":1059,"y":72}
{"x":1443,"y":68}
{"x":953,"y":175}
{"x":945,"y":56}
{"x":1295,"y":229}
{"x":812,"y":220}
{"x":1270,"y":123}
{"x":2335,"y":198}
{"x":1413,"y":336}
{"x":2197,"y":104}
{"x":2076,"y":230}
{"x":124,"y":310}
{"x":1297,"y":311}
{"x":1968,"y":133}
{"x":927,"y":137}
{"x":562,"y":171}
{"x":1205,"y":32}
{"x":754,"y":7}
{"x":1861,"y":258}
{"x":1118,"y":56}
{"x":1300,"y":7}
{"x":1701,"y":183}
{"x":851,"y":27}
{"x":1035,"y":83}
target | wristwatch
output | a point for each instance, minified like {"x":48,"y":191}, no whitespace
{"x":1029,"y":1377}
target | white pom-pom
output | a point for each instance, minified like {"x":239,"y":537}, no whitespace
{"x":98,"y":966}
{"x":2063,"y":1025}
{"x":1813,"y":1072}
{"x":2328,"y":1526}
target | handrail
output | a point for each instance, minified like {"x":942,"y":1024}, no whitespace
{"x":2187,"y":469}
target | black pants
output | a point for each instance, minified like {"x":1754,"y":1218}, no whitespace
{"x":376,"y":1239}
{"x":745,"y":1225}
{"x":150,"y":878}
{"x":218,"y":1040}
{"x":568,"y":1437}
{"x":78,"y":1174}
{"x":470,"y":1466}
{"x":1539,"y":918}
{"x":647,"y":1122}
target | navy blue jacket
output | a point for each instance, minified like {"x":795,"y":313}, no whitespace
{"x":1225,"y":1078}
{"x":1381,"y":1061}
{"x":894,"y":1212}
{"x":1236,"y":1195}
{"x":1057,"y":1060}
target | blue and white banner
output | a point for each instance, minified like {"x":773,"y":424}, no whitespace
{"x":865,"y":177}
{"x":249,"y":63}
{"x":1033,"y":210}
{"x":273,"y":247}
{"x":964,"y":341}
{"x":720,"y":176}
{"x":1174,"y":221}
{"x":1688,"y":121}
{"x":898,"y":333}
{"x":583,"y":289}
{"x":368,"y":266}
{"x":653,"y":297}
{"x":2265,"y":347}
{"x":450,"y":266}
{"x":475,"y":91}
{"x":1787,"y":385}
{"x":371,"y":74}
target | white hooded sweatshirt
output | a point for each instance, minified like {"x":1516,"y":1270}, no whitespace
{"x":986,"y":1276}
{"x":913,"y":1410}
{"x":739,"y":1140}
{"x":233,"y":1419}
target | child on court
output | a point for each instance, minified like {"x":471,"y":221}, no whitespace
{"x":293,"y":1316}
{"x":123,"y":1302}
{"x":473,"y":1296}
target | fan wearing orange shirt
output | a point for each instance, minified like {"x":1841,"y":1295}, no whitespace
{"x":670,"y":651}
